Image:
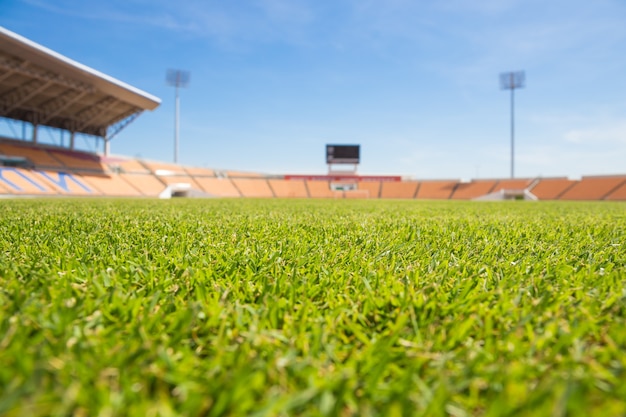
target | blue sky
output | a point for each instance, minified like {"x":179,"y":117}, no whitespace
{"x":414,"y":82}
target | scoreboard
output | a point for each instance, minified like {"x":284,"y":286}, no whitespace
{"x":343,"y":154}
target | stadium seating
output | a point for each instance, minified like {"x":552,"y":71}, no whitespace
{"x":288,"y":188}
{"x":179,"y":179}
{"x":79,"y":161}
{"x":127,"y":166}
{"x":253,"y":187}
{"x":551,"y":188}
{"x":20,"y":181}
{"x":149,"y":185}
{"x":163,"y":168}
{"x":398,"y":189}
{"x":512,"y":184}
{"x":111,"y":185}
{"x":200,"y":172}
{"x":473,"y":189}
{"x":39,"y":157}
{"x":619,"y":194}
{"x":66,"y":183}
{"x":372,"y":187}
{"x":436,"y":189}
{"x":242,"y":174}
{"x":319,"y":189}
{"x":66,"y":172}
{"x":218,"y":187}
{"x":172,"y":175}
{"x":593,"y":188}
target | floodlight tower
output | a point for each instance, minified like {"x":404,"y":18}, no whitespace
{"x":511,"y":81}
{"x":177,"y":79}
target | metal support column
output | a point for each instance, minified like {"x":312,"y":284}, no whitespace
{"x":511,"y":81}
{"x":178,"y":79}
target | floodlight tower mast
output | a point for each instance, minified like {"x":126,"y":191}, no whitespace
{"x":511,"y":81}
{"x":177,"y":79}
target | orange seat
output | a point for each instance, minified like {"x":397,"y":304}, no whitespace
{"x":163,"y":168}
{"x":512,"y":184}
{"x":218,"y":187}
{"x":593,"y":188}
{"x":436,"y":189}
{"x":253,"y":187}
{"x":24,"y":181}
{"x":149,"y":185}
{"x":79,"y":161}
{"x":551,"y":188}
{"x":67,"y":183}
{"x":111,"y":185}
{"x":288,"y":188}
{"x":241,"y":174}
{"x":39,"y":157}
{"x":474,"y":189}
{"x":200,"y":172}
{"x":398,"y":189}
{"x":179,"y":179}
{"x":619,"y":194}
{"x":319,"y":189}
{"x":371,"y":187}
{"x":126,"y":166}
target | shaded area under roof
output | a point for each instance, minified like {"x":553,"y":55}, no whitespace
{"x":42,"y":87}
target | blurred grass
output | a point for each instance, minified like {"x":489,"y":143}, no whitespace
{"x":311,"y":307}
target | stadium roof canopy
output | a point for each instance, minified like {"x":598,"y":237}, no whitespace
{"x":42,"y":87}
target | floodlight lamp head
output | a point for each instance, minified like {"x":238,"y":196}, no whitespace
{"x":178,"y":78}
{"x":512,"y":80}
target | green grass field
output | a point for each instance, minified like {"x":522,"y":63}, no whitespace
{"x":310,"y":307}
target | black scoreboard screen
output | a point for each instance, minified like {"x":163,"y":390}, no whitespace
{"x":343,"y":154}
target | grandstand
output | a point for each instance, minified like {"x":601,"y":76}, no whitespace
{"x":42,"y":171}
{"x":594,"y":188}
{"x":42,"y":88}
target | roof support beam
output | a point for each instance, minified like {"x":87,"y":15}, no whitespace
{"x":10,"y":71}
{"x":21,"y":94}
{"x":6,"y":75}
{"x":21,"y":67}
{"x":55,"y":106}
{"x":91,"y":113}
{"x":118,"y":127}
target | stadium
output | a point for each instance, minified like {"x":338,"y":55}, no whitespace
{"x":275,"y":295}
{"x":45,"y":89}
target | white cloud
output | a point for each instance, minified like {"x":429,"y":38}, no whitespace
{"x":614,"y":133}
